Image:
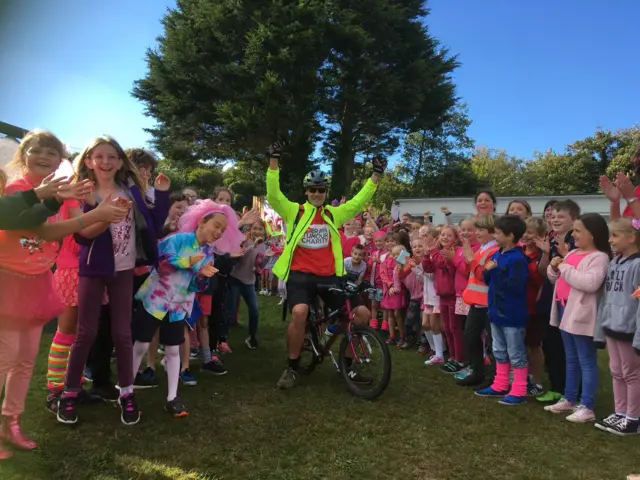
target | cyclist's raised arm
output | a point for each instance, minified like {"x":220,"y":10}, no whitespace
{"x":280,"y":204}
{"x":350,"y":209}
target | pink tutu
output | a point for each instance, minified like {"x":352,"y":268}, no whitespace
{"x":27,"y":300}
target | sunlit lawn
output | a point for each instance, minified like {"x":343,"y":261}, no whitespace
{"x":241,"y":427}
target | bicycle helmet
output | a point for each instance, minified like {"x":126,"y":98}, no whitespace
{"x":316,"y":178}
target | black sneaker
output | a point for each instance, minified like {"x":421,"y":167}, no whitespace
{"x":145,"y":379}
{"x":251,"y":343}
{"x":176,"y":408}
{"x":52,"y":402}
{"x":451,"y":366}
{"x":130,"y":414}
{"x":108,"y":393}
{"x":625,"y":427}
{"x":608,"y":422}
{"x":68,"y":410}
{"x":288,"y":379}
{"x":215,"y":366}
{"x":358,"y":378}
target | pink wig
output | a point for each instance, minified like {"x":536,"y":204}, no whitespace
{"x":379,"y":234}
{"x":231,"y":238}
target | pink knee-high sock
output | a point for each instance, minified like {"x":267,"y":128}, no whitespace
{"x":501,"y":381}
{"x":519,"y":386}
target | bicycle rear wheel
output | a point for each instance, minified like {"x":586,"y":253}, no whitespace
{"x":367,"y":369}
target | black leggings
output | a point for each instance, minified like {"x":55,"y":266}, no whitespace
{"x":554,"y":359}
{"x":477,"y":322}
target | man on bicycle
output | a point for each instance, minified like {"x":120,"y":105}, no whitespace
{"x":313,"y":252}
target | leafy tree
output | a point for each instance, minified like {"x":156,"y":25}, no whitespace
{"x":384,"y":75}
{"x":435,"y":162}
{"x":496,"y":169}
{"x":229,"y":76}
{"x":551,"y":173}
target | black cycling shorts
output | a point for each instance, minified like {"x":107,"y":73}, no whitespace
{"x":145,"y":325}
{"x":302,"y":288}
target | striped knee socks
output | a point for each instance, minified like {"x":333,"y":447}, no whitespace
{"x":58,"y":360}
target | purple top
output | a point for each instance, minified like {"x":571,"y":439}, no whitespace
{"x":96,"y":255}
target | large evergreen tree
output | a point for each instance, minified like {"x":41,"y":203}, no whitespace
{"x":229,"y":76}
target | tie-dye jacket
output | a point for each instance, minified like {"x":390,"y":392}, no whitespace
{"x":170,"y":288}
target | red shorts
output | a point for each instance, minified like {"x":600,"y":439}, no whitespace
{"x":204,"y":299}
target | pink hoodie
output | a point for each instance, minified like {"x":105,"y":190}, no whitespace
{"x":462,"y":268}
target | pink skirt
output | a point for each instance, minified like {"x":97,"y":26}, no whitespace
{"x":65,"y":282}
{"x":27,"y":301}
{"x":394,"y":302}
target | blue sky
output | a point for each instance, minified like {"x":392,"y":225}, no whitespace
{"x":535,"y":75}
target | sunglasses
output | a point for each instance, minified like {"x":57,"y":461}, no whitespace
{"x":317,"y":190}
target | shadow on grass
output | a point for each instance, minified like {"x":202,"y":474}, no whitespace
{"x":242,"y":427}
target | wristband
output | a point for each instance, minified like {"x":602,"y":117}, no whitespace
{"x":447,"y":214}
{"x":80,"y":222}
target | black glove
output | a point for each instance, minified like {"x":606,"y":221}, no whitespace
{"x":275,"y":149}
{"x":379,"y":164}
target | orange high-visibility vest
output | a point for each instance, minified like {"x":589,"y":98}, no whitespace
{"x":477,"y":291}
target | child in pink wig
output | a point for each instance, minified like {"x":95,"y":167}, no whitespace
{"x":168,"y":295}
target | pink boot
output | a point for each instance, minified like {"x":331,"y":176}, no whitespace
{"x":501,"y":381}
{"x":11,"y":433}
{"x":373,"y":323}
{"x":385,"y":326}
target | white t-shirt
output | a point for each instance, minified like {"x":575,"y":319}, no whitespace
{"x":355,"y":272}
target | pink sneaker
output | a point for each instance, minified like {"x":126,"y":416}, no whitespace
{"x":385,"y":326}
{"x":562,"y":406}
{"x":223,"y":347}
{"x":582,"y":415}
{"x":373,"y":324}
{"x":434,"y":360}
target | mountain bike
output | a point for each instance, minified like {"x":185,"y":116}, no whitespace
{"x":356,"y":356}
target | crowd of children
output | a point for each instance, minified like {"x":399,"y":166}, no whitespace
{"x":138,"y":268}
{"x":512,"y":295}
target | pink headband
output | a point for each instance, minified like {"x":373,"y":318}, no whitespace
{"x":378,"y":234}
{"x":231,"y":238}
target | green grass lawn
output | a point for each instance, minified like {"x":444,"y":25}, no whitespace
{"x":242,"y":427}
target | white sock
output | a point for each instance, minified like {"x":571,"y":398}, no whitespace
{"x":437,"y":341}
{"x":139,"y":351}
{"x":126,"y":390}
{"x":172,"y":356}
{"x":429,"y":335}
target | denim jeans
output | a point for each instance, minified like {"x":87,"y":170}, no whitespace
{"x":582,"y":366}
{"x":248,"y":293}
{"x":508,"y":345}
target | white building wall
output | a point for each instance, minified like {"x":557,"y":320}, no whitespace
{"x":462,"y":207}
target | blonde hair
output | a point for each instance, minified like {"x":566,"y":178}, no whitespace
{"x":39,"y":138}
{"x":126,"y":172}
{"x":3,"y":181}
{"x":467,"y":219}
{"x":487,"y":222}
{"x":538,"y":224}
{"x":624,"y":226}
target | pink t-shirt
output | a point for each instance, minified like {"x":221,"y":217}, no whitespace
{"x":563,"y":289}
{"x":68,"y":255}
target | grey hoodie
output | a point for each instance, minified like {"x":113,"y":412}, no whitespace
{"x":618,"y":312}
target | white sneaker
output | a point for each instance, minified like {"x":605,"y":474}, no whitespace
{"x":562,"y":406}
{"x":582,"y":415}
{"x":281,"y":302}
{"x":434,"y":360}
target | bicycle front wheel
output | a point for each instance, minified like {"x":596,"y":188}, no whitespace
{"x":365,"y":362}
